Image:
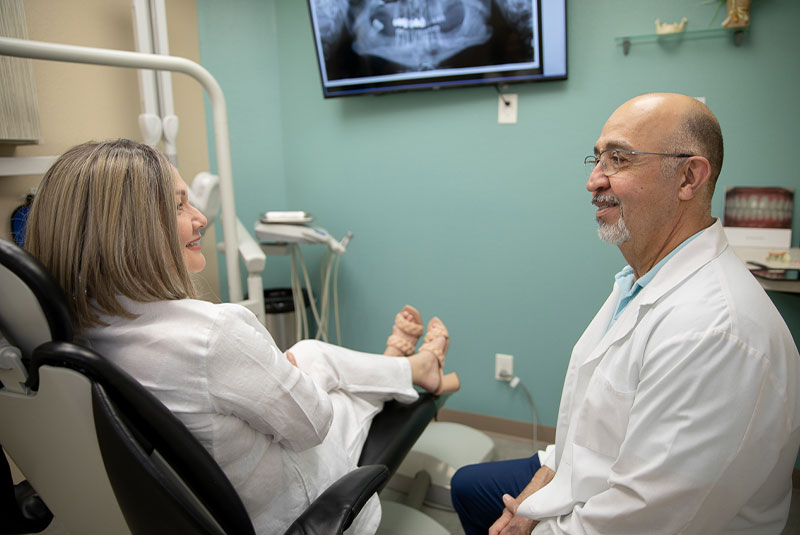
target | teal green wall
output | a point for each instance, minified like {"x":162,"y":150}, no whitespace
{"x":488,"y":226}
{"x":238,"y":40}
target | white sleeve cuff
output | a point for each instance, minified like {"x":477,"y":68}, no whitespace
{"x":547,"y":457}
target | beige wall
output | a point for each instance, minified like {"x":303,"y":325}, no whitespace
{"x":82,"y":102}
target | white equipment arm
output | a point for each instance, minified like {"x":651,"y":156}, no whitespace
{"x":24,"y":48}
{"x":254,"y":260}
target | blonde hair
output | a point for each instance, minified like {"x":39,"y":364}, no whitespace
{"x":104,"y":223}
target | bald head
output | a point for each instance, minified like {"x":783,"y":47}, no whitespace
{"x":685,"y":124}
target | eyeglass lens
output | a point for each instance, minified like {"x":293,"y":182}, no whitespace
{"x":609,"y":160}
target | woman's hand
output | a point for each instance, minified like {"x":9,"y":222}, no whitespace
{"x":290,"y":358}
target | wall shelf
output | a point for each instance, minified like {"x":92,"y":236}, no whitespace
{"x":627,"y":40}
{"x":26,"y":165}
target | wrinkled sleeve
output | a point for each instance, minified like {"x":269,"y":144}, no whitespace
{"x":250,"y":378}
{"x":705,"y":417}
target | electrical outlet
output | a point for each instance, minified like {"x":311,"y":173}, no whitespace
{"x":503,"y":367}
{"x":507,"y":108}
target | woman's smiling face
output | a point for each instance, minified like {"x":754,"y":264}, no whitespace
{"x":190,"y":221}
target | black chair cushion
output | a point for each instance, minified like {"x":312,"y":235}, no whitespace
{"x":123,"y":407}
{"x":396,"y":428}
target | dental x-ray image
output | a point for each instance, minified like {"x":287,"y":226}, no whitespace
{"x":360,"y":39}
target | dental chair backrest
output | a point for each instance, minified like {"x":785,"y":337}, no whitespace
{"x":32,"y":308}
{"x":161,"y":479}
{"x":101,"y":451}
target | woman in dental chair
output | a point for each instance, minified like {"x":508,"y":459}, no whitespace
{"x":112,"y":223}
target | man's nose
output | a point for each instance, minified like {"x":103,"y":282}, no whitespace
{"x":597,"y":179}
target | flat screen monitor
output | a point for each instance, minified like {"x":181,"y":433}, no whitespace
{"x":380,"y":46}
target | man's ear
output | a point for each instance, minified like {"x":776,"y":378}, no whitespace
{"x":694,"y":176}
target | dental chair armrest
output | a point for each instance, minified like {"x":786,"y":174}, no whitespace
{"x":334,"y":510}
{"x":253,"y":257}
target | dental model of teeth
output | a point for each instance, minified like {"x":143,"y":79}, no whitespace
{"x":779,"y":256}
{"x":674,"y":27}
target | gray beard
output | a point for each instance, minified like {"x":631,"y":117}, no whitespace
{"x":615,"y":234}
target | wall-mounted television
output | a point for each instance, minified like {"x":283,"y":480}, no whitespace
{"x":381,"y":46}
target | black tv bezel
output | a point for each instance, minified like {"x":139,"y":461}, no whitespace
{"x":495,"y":78}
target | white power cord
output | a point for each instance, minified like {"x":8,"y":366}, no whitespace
{"x":311,"y":300}
{"x":300,"y":320}
{"x":336,"y":300}
{"x":513,"y":382}
{"x":326,"y":267}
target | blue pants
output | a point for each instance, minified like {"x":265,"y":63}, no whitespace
{"x":477,"y":490}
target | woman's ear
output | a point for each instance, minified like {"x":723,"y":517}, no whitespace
{"x":693,"y":177}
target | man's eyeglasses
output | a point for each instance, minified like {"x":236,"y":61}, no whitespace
{"x":612,"y":160}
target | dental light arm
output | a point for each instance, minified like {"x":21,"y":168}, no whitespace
{"x":25,"y":48}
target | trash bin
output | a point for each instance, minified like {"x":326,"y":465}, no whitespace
{"x":280,"y":315}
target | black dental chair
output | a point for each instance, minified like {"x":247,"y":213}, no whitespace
{"x":103,"y":455}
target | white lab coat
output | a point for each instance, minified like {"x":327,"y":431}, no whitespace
{"x":684,"y":416}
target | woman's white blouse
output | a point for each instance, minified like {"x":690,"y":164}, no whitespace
{"x":219,"y":371}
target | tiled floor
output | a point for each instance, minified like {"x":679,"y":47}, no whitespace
{"x":514,"y":448}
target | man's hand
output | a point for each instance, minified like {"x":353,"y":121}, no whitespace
{"x":501,"y":523}
{"x":291,"y":359}
{"x":510,"y":523}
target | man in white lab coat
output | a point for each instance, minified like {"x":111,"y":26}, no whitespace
{"x":680,"y":411}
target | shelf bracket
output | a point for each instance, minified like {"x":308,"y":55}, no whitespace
{"x":626,"y":46}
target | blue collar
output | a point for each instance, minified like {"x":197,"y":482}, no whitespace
{"x":630,"y":287}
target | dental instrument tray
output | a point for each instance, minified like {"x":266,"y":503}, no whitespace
{"x":298,"y":233}
{"x":287,"y":217}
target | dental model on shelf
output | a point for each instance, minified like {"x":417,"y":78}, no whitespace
{"x":779,"y":256}
{"x":674,"y":27}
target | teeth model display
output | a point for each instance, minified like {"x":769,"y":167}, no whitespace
{"x":759,"y":207}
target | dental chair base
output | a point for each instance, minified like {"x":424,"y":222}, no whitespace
{"x":443,"y":448}
{"x":402,"y":515}
{"x":400,"y":519}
